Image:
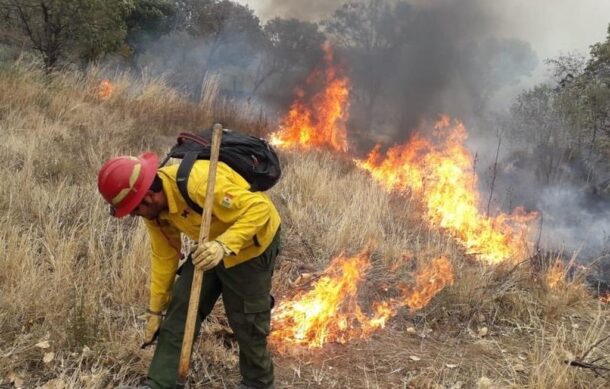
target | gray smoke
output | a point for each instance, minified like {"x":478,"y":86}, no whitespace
{"x":410,"y":61}
{"x":313,"y":10}
{"x":566,"y":192}
{"x":574,"y":221}
{"x":407,"y":61}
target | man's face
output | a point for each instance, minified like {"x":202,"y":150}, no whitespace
{"x":150,"y":207}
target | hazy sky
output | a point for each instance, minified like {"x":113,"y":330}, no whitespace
{"x":555,"y":26}
{"x":552,"y":27}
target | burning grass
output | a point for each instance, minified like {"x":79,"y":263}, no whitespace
{"x":73,"y":280}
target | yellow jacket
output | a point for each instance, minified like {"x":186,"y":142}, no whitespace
{"x":245,"y":222}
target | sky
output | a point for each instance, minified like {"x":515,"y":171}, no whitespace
{"x":552,"y":27}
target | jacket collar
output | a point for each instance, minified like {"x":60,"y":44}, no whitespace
{"x":168,"y":186}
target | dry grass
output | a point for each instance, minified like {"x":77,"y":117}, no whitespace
{"x":77,"y":279}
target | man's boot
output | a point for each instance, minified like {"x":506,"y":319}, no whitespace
{"x":244,"y":386}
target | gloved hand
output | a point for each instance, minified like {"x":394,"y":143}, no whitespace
{"x":209,"y":254}
{"x":153,"y":324}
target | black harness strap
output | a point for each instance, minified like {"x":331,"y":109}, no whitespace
{"x":182,"y":179}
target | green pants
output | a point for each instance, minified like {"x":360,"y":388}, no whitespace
{"x":245,"y":291}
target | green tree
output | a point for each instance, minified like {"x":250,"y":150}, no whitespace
{"x":292,"y":46}
{"x":371,"y":34}
{"x":186,"y":12}
{"x":600,"y":56}
{"x":148,"y":21}
{"x":537,"y":125}
{"x":584,"y":97}
{"x":212,"y":40}
{"x":598,"y":92}
{"x":230,"y":26}
{"x":569,"y":121}
{"x":58,"y":29}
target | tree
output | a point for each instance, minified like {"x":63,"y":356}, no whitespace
{"x":537,"y":125}
{"x":492,"y":63}
{"x":371,"y":33}
{"x":570,"y":120}
{"x":600,"y":57}
{"x":149,"y":20}
{"x":584,"y":95}
{"x":208,"y":36}
{"x":186,"y":12}
{"x":59,"y":29}
{"x":292,"y":45}
{"x":230,"y":26}
{"x":598,"y":71}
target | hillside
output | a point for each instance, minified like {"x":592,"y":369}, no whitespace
{"x":74,"y":280}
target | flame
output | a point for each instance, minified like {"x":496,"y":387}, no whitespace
{"x":438,"y":169}
{"x":318,"y":121}
{"x":330,"y":311}
{"x":555,"y":275}
{"x":431,"y":280}
{"x":605,"y":298}
{"x":441,"y":172}
{"x":104,"y":90}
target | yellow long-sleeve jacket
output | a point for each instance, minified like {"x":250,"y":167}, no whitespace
{"x":245,"y":222}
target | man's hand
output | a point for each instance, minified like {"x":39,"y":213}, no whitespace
{"x":208,"y":255}
{"x":153,"y":323}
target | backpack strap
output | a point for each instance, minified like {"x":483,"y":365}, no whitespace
{"x":182,"y":179}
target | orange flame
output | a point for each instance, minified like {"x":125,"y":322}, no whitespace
{"x":441,"y":172}
{"x":330,"y":311}
{"x":104,"y":90}
{"x":318,"y":121}
{"x":605,"y":298}
{"x":431,"y":280}
{"x":555,"y":275}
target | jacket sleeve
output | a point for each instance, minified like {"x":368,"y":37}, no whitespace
{"x":165,"y":254}
{"x":246,"y":212}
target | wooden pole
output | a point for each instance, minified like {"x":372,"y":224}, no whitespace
{"x":204,"y":232}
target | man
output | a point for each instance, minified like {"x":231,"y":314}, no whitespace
{"x":238,"y":260}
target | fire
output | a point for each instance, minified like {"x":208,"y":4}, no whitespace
{"x":555,"y":275}
{"x":104,"y":90}
{"x":440,"y":170}
{"x":318,"y":121}
{"x":605,"y":299}
{"x":330,"y":312}
{"x":431,"y":280}
{"x":437,"y":169}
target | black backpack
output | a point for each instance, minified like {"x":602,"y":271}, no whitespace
{"x":251,"y":157}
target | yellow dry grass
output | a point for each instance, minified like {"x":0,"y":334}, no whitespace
{"x":74,"y":281}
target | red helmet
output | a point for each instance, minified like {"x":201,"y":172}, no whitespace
{"x":124,"y":181}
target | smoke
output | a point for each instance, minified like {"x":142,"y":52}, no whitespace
{"x":552,"y":27}
{"x":574,"y":214}
{"x":407,"y":61}
{"x":574,"y":221}
{"x":313,"y":10}
{"x":410,"y":61}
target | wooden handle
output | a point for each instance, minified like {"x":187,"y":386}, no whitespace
{"x":204,"y":232}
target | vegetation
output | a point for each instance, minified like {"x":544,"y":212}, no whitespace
{"x":74,"y":279}
{"x":570,"y":117}
{"x":66,"y":29}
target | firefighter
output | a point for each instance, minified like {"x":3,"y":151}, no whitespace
{"x":238,"y":260}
